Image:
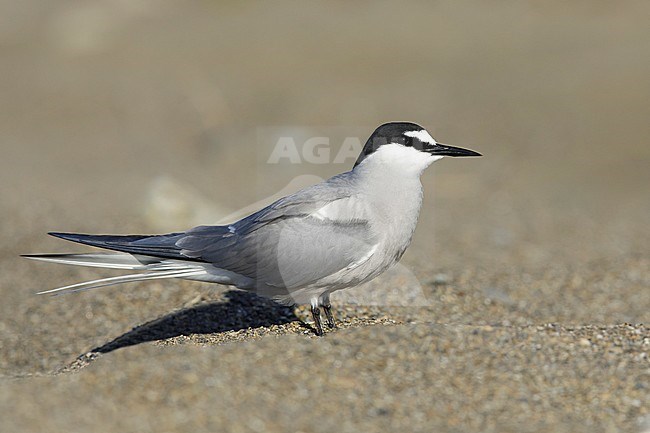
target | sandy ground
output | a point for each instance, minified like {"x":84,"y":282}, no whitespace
{"x":520,"y":306}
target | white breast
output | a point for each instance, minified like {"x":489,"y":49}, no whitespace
{"x":390,"y":181}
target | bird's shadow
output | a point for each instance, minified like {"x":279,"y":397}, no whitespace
{"x":242,"y":310}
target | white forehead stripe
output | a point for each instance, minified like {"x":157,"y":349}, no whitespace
{"x":421,"y":135}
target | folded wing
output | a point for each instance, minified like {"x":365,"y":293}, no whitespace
{"x":296,"y":241}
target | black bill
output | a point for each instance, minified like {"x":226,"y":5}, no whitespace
{"x":444,"y":150}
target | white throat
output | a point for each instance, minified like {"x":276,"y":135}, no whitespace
{"x":397,"y":159}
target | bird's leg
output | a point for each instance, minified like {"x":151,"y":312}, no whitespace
{"x":325,"y":302}
{"x":315,"y":314}
{"x":328,"y":315}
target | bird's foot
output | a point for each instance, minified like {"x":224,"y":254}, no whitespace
{"x":329,"y":316}
{"x":315,"y":314}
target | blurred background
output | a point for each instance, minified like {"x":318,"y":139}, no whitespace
{"x":143,"y":116}
{"x":131,"y":116}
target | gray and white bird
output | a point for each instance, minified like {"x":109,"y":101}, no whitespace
{"x":337,"y":234}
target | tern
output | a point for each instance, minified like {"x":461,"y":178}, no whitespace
{"x":330,"y":236}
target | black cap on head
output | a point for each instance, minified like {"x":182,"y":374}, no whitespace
{"x":392,"y":132}
{"x":408,"y":134}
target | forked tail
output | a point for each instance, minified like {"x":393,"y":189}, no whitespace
{"x":153,"y":268}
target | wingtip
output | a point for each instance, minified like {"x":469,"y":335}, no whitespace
{"x":31,"y":256}
{"x":61,"y":235}
{"x":39,"y":256}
